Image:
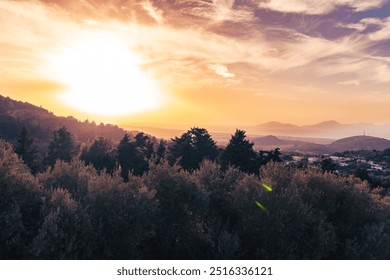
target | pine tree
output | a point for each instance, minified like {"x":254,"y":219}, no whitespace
{"x":62,"y":146}
{"x":100,"y":154}
{"x":192,"y":147}
{"x":160,"y":153}
{"x":132,"y":156}
{"x":240,"y":154}
{"x":27,"y":151}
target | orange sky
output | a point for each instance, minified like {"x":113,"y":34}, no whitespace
{"x":197,"y":63}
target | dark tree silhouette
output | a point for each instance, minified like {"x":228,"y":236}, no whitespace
{"x":192,"y":147}
{"x":100,"y":154}
{"x":144,"y":145}
{"x":132,"y":156}
{"x":125,"y":149}
{"x":327,"y":165}
{"x":386,"y":152}
{"x":362,"y":174}
{"x":160,"y":153}
{"x":62,"y":146}
{"x":265,"y":157}
{"x":27,"y":151}
{"x":240,"y":154}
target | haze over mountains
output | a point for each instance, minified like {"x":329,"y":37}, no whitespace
{"x":353,"y":143}
{"x":315,"y":138}
{"x":326,"y":129}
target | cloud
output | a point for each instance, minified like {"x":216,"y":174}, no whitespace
{"x":179,"y":41}
{"x":89,"y":21}
{"x":350,"y":82}
{"x":221,"y":70}
{"x":366,"y":70}
{"x":154,"y":12}
{"x":364,"y":23}
{"x":319,"y":7}
{"x":384,"y":31}
{"x":224,"y":10}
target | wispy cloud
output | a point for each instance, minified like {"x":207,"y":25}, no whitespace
{"x":350,"y":82}
{"x":319,"y":7}
{"x":221,"y":70}
{"x":241,"y":44}
{"x":154,"y":12}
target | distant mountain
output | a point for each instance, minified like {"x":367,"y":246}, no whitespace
{"x":40,"y":124}
{"x":277,"y":125}
{"x":270,"y":140}
{"x":323,"y":125}
{"x":360,"y":143}
{"x":326,"y":129}
{"x":344,"y":144}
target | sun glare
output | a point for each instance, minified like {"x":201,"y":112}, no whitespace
{"x":102,"y":76}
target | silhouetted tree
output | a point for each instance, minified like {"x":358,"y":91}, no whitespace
{"x":240,"y":154}
{"x":131,"y":157}
{"x":125,"y":149}
{"x":327,"y":165}
{"x":160,"y":153}
{"x":265,"y":157}
{"x":27,"y":151}
{"x":100,"y":154}
{"x":144,"y":145}
{"x":362,"y":174}
{"x":192,"y":147}
{"x":62,"y":146}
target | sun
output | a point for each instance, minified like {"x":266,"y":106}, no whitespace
{"x":102,"y":76}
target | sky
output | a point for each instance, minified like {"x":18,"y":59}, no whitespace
{"x":199,"y":63}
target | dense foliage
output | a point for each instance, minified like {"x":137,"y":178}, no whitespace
{"x":73,"y":210}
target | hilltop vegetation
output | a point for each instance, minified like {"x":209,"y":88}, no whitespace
{"x":73,"y":211}
{"x":139,"y":198}
{"x":40,"y":123}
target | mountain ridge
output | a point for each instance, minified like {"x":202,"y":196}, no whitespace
{"x":40,"y":122}
{"x":351,"y":143}
{"x":324,"y":129}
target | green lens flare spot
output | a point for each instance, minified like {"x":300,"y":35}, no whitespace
{"x":261,"y":206}
{"x":268,"y":188}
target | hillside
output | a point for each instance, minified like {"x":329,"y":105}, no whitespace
{"x":289,"y":145}
{"x":360,"y":143}
{"x":345,"y":144}
{"x":325,"y":129}
{"x":41,"y":123}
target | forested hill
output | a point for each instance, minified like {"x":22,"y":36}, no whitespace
{"x":14,"y":115}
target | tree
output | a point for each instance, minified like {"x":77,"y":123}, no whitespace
{"x":27,"y":151}
{"x":386,"y":152}
{"x":327,"y":165}
{"x":160,"y":153}
{"x":20,"y":205}
{"x":240,"y":154}
{"x":192,"y":147}
{"x":62,"y":146}
{"x":100,"y":154}
{"x":57,"y":238}
{"x":265,"y":157}
{"x":362,"y":174}
{"x":124,"y":151}
{"x":144,"y":145}
{"x":132,"y":156}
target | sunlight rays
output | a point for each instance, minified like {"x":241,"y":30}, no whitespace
{"x":102,"y":76}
